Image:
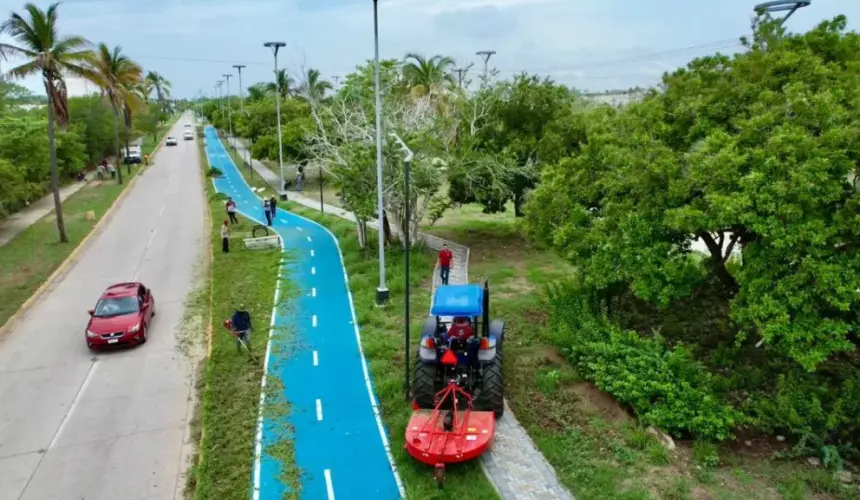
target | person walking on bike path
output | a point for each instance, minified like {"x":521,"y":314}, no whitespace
{"x":445,"y":259}
{"x":273,"y":206}
{"x":267,"y":211}
{"x":231,"y":210}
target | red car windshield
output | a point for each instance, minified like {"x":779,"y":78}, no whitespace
{"x":107,"y":308}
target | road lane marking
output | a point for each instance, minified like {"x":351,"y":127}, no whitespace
{"x":314,"y":321}
{"x":75,"y":402}
{"x":312,"y":253}
{"x":328,"y":485}
{"x":309,"y":238}
{"x":316,"y":359}
{"x":300,"y":229}
{"x":319,"y":410}
{"x":313,"y":270}
{"x":314,"y":292}
{"x":162,"y":209}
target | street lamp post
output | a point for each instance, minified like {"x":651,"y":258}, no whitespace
{"x":230,"y":113}
{"x":782,"y":6}
{"x":241,"y":99}
{"x":486,"y":55}
{"x":382,"y":290}
{"x":275,"y":46}
{"x":407,"y":161}
{"x":219,"y":84}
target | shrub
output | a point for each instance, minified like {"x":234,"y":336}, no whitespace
{"x":663,"y":385}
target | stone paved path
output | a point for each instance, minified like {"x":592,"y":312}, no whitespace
{"x":514,"y":465}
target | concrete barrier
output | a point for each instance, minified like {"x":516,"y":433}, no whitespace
{"x":263,"y":242}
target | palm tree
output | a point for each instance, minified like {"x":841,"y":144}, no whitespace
{"x":115,"y":74}
{"x":428,"y":76}
{"x":52,"y":57}
{"x":314,"y":87}
{"x":134,"y":102}
{"x":161,"y":86}
{"x":282,"y":81}
{"x":257,"y":92}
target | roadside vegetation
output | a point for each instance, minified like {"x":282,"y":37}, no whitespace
{"x":685,"y":266}
{"x":229,"y":388}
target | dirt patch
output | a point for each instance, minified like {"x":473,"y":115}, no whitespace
{"x":593,"y":399}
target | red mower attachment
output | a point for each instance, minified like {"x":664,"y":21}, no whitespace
{"x":440,"y":436}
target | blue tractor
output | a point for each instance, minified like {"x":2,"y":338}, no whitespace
{"x":460,"y":343}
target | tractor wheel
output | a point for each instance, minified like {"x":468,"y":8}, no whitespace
{"x":492,"y":396}
{"x":424,"y":385}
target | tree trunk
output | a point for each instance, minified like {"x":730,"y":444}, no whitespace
{"x":362,"y":233}
{"x":116,"y":140}
{"x":55,"y":172}
{"x":718,"y":264}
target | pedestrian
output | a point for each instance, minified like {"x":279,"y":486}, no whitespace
{"x":231,"y":210}
{"x":445,"y":259}
{"x":225,"y":238}
{"x":112,"y":171}
{"x":273,"y":206}
{"x":300,"y":174}
{"x":146,"y":159}
{"x":241,"y":323}
{"x":267,"y":211}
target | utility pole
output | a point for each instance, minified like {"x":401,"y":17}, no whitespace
{"x":241,"y":99}
{"x":230,"y":112}
{"x":460,"y":72}
{"x":336,"y":78}
{"x":382,"y":290}
{"x":486,"y":55}
{"x":219,"y":83}
{"x":781,"y":6}
{"x":275,"y":46}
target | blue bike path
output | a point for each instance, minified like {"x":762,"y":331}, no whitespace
{"x":341,"y":446}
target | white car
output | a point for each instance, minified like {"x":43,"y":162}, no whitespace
{"x":188,"y":136}
{"x":132,"y":154}
{"x":171,"y":141}
{"x":187,"y":125}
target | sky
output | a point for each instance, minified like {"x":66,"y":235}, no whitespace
{"x":593,"y":45}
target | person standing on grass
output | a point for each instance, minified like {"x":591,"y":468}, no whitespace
{"x":231,"y":210}
{"x":241,"y":322}
{"x":445,"y":260}
{"x":146,"y":159}
{"x":300,"y":173}
{"x":225,"y":238}
{"x":267,"y":211}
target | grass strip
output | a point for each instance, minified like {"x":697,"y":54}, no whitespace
{"x":230,"y":385}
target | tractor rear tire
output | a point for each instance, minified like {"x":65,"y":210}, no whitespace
{"x":424,"y":386}
{"x":492,"y":397}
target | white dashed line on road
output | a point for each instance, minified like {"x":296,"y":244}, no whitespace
{"x":314,"y":321}
{"x":314,"y":292}
{"x":313,"y":270}
{"x":328,"y":486}
{"x":312,"y":253}
{"x":75,"y":402}
{"x":316,"y":359}
{"x":319,"y":410}
{"x":309,"y":238}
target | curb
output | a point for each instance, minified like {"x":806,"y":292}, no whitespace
{"x":64,"y":266}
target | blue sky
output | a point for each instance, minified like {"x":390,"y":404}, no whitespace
{"x":590,"y":44}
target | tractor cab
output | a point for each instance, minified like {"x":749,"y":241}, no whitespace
{"x":459,"y":342}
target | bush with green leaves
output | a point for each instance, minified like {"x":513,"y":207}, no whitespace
{"x":663,"y":384}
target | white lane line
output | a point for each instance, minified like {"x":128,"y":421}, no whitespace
{"x":312,"y":253}
{"x":313,"y":270}
{"x":300,"y":229}
{"x":328,"y":486}
{"x":283,"y":221}
{"x":319,"y":410}
{"x":309,"y":238}
{"x":316,"y":359}
{"x":162,"y":209}
{"x":314,"y":292}
{"x":75,"y":402}
{"x":314,"y":321}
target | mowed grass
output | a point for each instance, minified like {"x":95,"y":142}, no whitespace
{"x":596,"y":447}
{"x":29,"y":258}
{"x":230,"y":385}
{"x":382,"y":338}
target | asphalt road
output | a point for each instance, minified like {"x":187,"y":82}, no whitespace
{"x":112,"y":426}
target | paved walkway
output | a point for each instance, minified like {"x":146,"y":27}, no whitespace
{"x":514,"y":464}
{"x":12,"y":225}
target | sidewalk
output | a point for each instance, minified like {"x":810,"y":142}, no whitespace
{"x":515,"y":466}
{"x":11,"y":226}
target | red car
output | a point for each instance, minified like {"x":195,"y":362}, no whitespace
{"x":121,"y":316}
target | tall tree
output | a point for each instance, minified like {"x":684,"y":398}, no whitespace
{"x":282,"y":81}
{"x":161,"y":85}
{"x":314,"y":87}
{"x":428,"y":76}
{"x":257,"y":92}
{"x":134,"y":103}
{"x":115,"y":74}
{"x":51,"y":56}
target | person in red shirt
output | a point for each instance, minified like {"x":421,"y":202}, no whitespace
{"x":231,"y":210}
{"x":445,"y":259}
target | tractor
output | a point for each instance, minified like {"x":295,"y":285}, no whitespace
{"x":460,"y":345}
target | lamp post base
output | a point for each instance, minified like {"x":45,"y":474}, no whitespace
{"x":381,"y":296}
{"x":283,"y":196}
